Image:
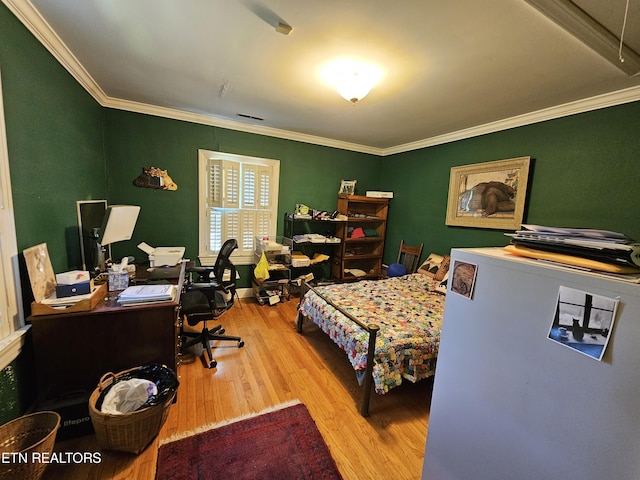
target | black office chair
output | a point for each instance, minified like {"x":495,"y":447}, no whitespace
{"x":208,"y":298}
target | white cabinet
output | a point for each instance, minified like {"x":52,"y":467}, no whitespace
{"x":509,"y":403}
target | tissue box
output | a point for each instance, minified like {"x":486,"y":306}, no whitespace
{"x":64,"y":290}
{"x":118,"y":281}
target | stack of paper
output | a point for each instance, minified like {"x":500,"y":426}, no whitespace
{"x":598,"y":245}
{"x":145,"y":294}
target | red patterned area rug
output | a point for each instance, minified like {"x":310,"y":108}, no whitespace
{"x":282,"y":444}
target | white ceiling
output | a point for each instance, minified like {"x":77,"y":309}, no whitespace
{"x":453,"y":69}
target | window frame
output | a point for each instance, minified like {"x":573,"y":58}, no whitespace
{"x":257,"y":165}
{"x":12,"y":325}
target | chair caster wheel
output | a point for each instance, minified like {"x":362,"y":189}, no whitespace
{"x":212,"y":364}
{"x":220,"y":332}
{"x":240,"y":344}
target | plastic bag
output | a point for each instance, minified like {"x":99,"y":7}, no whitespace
{"x":164,"y":378}
{"x":128,"y":395}
{"x":261,"y":272}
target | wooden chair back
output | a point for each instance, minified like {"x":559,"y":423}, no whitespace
{"x":409,"y":256}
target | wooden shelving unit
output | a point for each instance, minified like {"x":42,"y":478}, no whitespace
{"x":360,"y":257}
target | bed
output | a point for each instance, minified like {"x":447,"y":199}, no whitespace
{"x":401,"y":316}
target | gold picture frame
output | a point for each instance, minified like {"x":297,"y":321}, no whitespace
{"x":488,"y":195}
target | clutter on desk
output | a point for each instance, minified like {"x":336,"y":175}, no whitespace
{"x":75,"y":282}
{"x":72,"y":277}
{"x":45,"y":288}
{"x":162,"y":256}
{"x":138,"y":294}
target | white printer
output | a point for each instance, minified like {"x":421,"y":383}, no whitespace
{"x":162,"y":256}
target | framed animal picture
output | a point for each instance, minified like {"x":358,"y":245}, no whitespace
{"x":488,"y":195}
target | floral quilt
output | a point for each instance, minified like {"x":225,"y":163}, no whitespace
{"x":408,"y":313}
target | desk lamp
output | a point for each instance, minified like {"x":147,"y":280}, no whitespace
{"x":117,"y":226}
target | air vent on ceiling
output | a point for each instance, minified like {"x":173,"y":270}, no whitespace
{"x":250,"y":117}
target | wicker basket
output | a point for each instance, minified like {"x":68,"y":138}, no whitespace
{"x":127,"y":432}
{"x":27,"y":435}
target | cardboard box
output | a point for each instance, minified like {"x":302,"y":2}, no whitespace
{"x":300,"y":260}
{"x":81,"y":305}
{"x":378,"y":194}
{"x":72,"y":277}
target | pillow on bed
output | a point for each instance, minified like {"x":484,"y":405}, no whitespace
{"x":431,"y":265}
{"x":443,"y":269}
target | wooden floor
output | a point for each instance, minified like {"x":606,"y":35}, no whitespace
{"x":277,"y":365}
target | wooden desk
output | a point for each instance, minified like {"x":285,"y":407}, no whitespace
{"x":73,"y":350}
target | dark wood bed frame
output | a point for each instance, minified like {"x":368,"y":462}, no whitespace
{"x":373,"y":332}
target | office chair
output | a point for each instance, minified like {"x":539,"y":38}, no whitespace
{"x":207,"y":299}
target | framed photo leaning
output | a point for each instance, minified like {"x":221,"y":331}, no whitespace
{"x":488,"y":195}
{"x":347,"y":187}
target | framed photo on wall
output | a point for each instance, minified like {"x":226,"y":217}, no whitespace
{"x":488,"y":195}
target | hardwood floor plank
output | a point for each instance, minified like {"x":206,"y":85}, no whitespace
{"x":277,"y":365}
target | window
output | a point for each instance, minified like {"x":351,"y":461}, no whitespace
{"x":12,"y":327}
{"x":238,"y":198}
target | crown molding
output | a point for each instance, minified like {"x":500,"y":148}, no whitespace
{"x":589,"y":31}
{"x":222,"y":122}
{"x":38,"y":26}
{"x":572,"y":108}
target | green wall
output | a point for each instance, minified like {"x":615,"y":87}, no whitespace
{"x":55,"y":142}
{"x":309,"y":174}
{"x":585,"y":173}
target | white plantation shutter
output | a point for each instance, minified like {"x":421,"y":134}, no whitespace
{"x":265,"y":186}
{"x":238,"y":199}
{"x":246,"y":238}
{"x":215,"y":229}
{"x":249,"y":186}
{"x":214,"y":183}
{"x":232,"y":225}
{"x":263,"y":223}
{"x":231,"y":184}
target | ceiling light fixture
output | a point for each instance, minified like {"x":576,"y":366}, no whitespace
{"x":352,"y":79}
